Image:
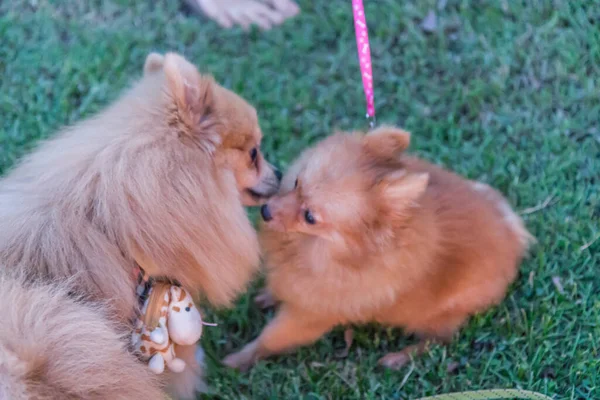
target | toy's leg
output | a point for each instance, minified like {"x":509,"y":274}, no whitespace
{"x":157,"y":336}
{"x":176,"y":365}
{"x":287,"y":331}
{"x":157,"y":363}
{"x":160,"y":334}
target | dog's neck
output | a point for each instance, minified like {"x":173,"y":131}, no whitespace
{"x":146,"y":264}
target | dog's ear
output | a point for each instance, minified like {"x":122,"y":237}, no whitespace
{"x":154,"y":62}
{"x":386,"y":142}
{"x":192,"y":92}
{"x":400,"y":191}
{"x":194,"y":97}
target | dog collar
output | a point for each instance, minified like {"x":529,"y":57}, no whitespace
{"x":144,"y":284}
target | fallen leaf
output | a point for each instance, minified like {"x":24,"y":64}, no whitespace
{"x":558,"y":284}
{"x":549,"y":373}
{"x":453,"y":367}
{"x":429,"y":24}
{"x":348,"y":340}
{"x":531,"y":275}
{"x":485,"y":345}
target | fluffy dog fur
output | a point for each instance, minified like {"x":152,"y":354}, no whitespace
{"x":161,"y":177}
{"x":53,"y":346}
{"x":395,"y":240}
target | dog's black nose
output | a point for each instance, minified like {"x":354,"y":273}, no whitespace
{"x":278,"y":175}
{"x":266,"y":213}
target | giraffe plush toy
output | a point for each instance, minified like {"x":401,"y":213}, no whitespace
{"x":168,"y":317}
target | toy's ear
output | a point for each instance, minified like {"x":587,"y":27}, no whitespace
{"x":177,"y":294}
{"x":154,"y":62}
{"x":386,"y":142}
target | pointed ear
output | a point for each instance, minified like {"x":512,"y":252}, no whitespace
{"x":401,"y":190}
{"x":386,"y":142}
{"x":154,"y":62}
{"x":194,"y":98}
{"x":189,"y":89}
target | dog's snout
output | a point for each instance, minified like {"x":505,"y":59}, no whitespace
{"x":278,"y":175}
{"x":265,"y":213}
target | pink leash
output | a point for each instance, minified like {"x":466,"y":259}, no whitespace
{"x":364,"y":57}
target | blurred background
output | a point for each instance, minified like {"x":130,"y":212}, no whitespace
{"x":506,"y":92}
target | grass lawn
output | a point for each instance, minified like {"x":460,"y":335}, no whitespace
{"x":507,"y":92}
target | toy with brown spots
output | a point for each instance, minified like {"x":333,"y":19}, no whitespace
{"x":168,"y":317}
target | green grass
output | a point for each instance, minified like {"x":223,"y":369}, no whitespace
{"x":507,"y":92}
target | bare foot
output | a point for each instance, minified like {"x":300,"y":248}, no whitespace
{"x":264,"y":13}
{"x":264,"y":299}
{"x":286,"y":7}
{"x":401,"y":358}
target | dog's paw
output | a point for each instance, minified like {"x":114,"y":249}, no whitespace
{"x":264,"y":299}
{"x":244,"y":359}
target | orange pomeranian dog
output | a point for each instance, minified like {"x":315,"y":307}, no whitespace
{"x":158,"y":180}
{"x":362,"y":233}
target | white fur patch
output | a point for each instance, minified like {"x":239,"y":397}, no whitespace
{"x":480,"y":187}
{"x":511,"y":219}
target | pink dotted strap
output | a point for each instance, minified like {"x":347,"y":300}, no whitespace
{"x":364,"y":54}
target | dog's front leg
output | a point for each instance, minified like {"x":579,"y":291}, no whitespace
{"x":289,"y":330}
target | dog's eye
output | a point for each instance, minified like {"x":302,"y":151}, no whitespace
{"x":308,"y":217}
{"x":253,"y":154}
{"x":187,"y":309}
{"x":296,"y":183}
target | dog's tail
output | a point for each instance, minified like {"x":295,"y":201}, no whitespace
{"x":517,"y":226}
{"x":53,"y":346}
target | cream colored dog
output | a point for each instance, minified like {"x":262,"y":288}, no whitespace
{"x":159,"y":178}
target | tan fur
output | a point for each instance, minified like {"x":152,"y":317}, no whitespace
{"x":397,"y":241}
{"x":55,"y":347}
{"x":161,"y":175}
